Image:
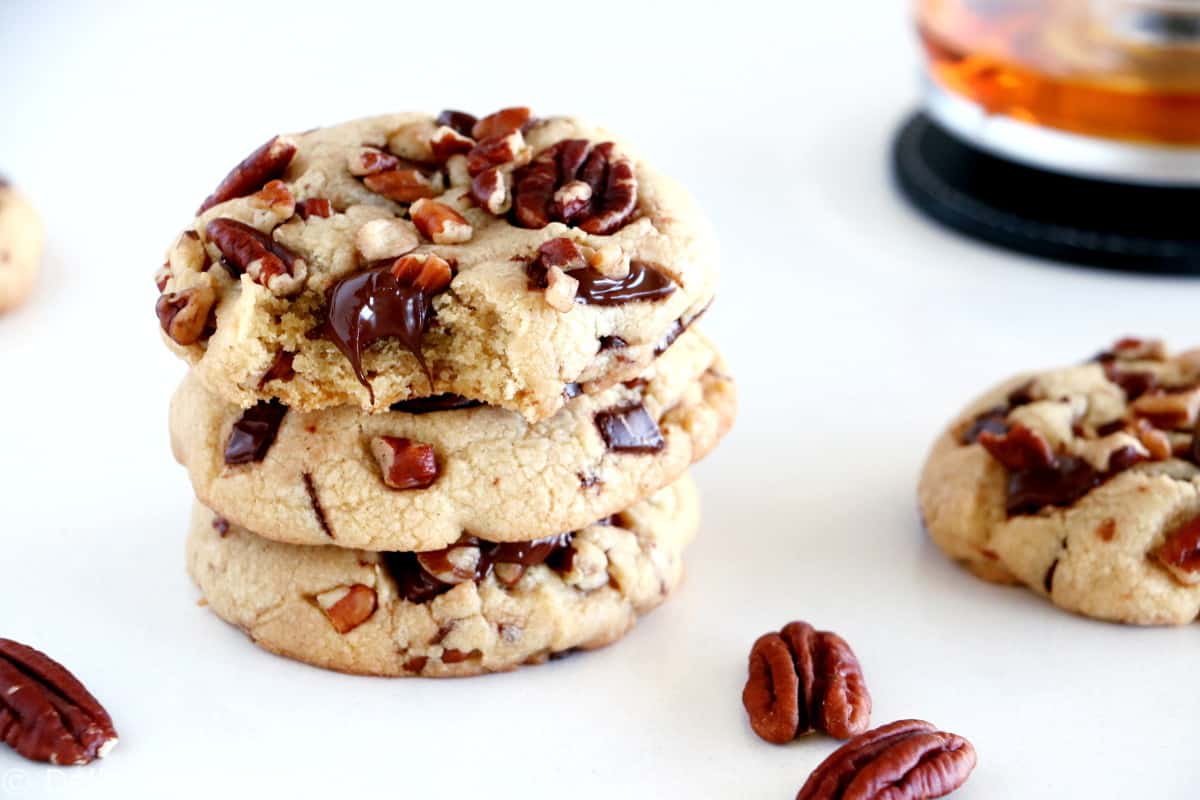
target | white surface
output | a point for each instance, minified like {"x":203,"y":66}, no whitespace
{"x":855,"y":328}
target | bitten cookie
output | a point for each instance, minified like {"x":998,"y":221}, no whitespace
{"x":471,"y":609}
{"x":416,"y":478}
{"x":21,"y":237}
{"x":1081,"y":483}
{"x":500,"y":259}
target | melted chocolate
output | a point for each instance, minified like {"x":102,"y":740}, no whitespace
{"x":994,"y":419}
{"x":254,"y":433}
{"x":373,"y":305}
{"x":629,"y":429}
{"x":1061,"y":484}
{"x":643,"y":282}
{"x":417,"y":585}
{"x":437,"y":402}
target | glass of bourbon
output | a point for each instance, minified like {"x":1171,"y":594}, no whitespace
{"x":1100,"y":88}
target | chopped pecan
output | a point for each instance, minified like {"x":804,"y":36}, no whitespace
{"x":489,"y":190}
{"x":364,"y":161}
{"x":405,"y":464}
{"x":561,"y":252}
{"x":1156,"y":442}
{"x":347,"y":607}
{"x":460,"y":121}
{"x":1169,"y":410}
{"x":1019,"y":448}
{"x":268,"y":162}
{"x":501,"y":123}
{"x":446,"y":142}
{"x":456,"y":564}
{"x":577,"y":184}
{"x":801,"y":680}
{"x":281,"y":368}
{"x":403,"y":185}
{"x":378,"y":239}
{"x":1180,"y":552}
{"x":258,"y":255}
{"x":439,"y":222}
{"x":425,"y":271}
{"x":314,"y":207}
{"x":46,"y":714}
{"x":275,"y":197}
{"x":561,"y":289}
{"x":495,"y":151}
{"x":185,"y":315}
{"x":905,"y":760}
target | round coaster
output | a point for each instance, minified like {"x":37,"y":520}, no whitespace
{"x":1099,"y":223}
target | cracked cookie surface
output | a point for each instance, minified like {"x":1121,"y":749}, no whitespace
{"x":348,"y":610}
{"x":21,"y":238}
{"x":417,"y":481}
{"x":1080,"y":483}
{"x":251,"y":282}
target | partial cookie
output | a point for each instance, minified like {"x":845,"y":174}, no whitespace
{"x":416,"y":479}
{"x":20,"y":246}
{"x":387,"y":614}
{"x":1081,"y":483}
{"x":398,"y":257}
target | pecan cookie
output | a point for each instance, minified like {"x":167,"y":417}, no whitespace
{"x":416,"y":477}
{"x":20,"y":246}
{"x":473,"y":608}
{"x":1081,"y":483}
{"x":501,"y":259}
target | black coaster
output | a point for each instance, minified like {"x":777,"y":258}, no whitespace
{"x":1100,"y":223}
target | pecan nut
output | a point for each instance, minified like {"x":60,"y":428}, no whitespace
{"x":46,"y":714}
{"x":575,"y":183}
{"x":266,"y":261}
{"x":364,"y":161}
{"x":404,"y":185}
{"x":267,"y":163}
{"x":186,"y":316}
{"x":489,"y":190}
{"x":1180,"y":552}
{"x":446,"y":142}
{"x":802,"y":680}
{"x":501,"y":123}
{"x":347,"y":607}
{"x":440,"y":223}
{"x":405,"y":464}
{"x":906,"y":760}
{"x":314,"y":207}
{"x":494,"y":151}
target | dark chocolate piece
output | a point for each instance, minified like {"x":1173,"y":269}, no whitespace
{"x":254,"y":433}
{"x":629,"y":429}
{"x":437,"y":402}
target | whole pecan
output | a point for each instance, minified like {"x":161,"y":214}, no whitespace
{"x":46,"y":714}
{"x":267,"y":163}
{"x":258,"y":255}
{"x":801,"y":680}
{"x":575,"y":183}
{"x":906,"y":760}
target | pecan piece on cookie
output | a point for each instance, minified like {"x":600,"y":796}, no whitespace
{"x":265,"y":164}
{"x":185,"y":316}
{"x":1180,"y":552}
{"x":249,"y":250}
{"x":802,"y":680}
{"x":405,"y":464}
{"x":347,"y":607}
{"x":906,"y":760}
{"x":593,"y":188}
{"x":46,"y":714}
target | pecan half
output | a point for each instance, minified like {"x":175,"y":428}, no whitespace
{"x":46,"y":714}
{"x":575,"y":183}
{"x":1180,"y":552}
{"x":494,"y":151}
{"x":347,"y":607}
{"x":489,"y":190}
{"x":267,"y":163}
{"x":405,"y":464}
{"x":802,"y":680}
{"x":906,"y":760}
{"x":185,"y":315}
{"x":440,"y":223}
{"x":258,"y":255}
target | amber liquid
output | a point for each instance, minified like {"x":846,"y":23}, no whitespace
{"x":1081,"y":66}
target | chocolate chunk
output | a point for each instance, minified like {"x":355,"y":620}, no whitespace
{"x":612,"y":343}
{"x":374,"y":305}
{"x":280,"y":369}
{"x":317,"y":508}
{"x":1048,"y":579}
{"x":643,"y":282}
{"x":254,"y":433}
{"x":460,"y":121}
{"x":1067,"y":480}
{"x":413,"y":583}
{"x":437,"y":402}
{"x":629,"y":429}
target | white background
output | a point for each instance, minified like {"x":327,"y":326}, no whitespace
{"x":855,"y":329}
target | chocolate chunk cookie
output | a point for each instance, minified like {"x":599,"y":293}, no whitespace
{"x":1082,"y":484}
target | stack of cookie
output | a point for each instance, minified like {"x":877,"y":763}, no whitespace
{"x":445,"y":389}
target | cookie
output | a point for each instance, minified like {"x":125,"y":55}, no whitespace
{"x":1080,"y":483}
{"x":387,"y":614}
{"x":416,"y":479}
{"x":20,"y":246}
{"x":400,"y":256}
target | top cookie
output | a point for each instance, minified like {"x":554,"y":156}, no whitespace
{"x":502,"y":259}
{"x":1081,"y":483}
